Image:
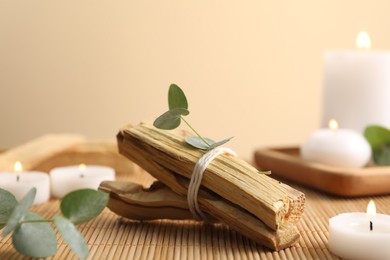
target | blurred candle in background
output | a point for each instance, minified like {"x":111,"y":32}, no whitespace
{"x":70,"y":178}
{"x":20,"y":182}
{"x":337,"y":147}
{"x":357,"y":86}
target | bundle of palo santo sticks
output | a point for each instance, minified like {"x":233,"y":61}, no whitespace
{"x":232,"y":191}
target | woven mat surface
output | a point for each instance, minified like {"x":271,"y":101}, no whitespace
{"x":112,"y":237}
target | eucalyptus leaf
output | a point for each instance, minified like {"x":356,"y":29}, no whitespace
{"x":72,"y":236}
{"x":382,"y":156}
{"x":379,"y":139}
{"x":35,"y":239}
{"x":7,"y":204}
{"x":216,"y":144}
{"x":176,"y":98}
{"x":83,"y":205}
{"x":170,"y":119}
{"x":197,"y":142}
{"x":20,"y":211}
{"x":178,"y":107}
{"x":377,"y":136}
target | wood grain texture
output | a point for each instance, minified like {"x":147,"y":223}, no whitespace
{"x":287,"y":164}
{"x":233,"y":181}
{"x":159,"y":202}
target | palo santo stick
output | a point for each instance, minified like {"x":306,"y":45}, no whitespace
{"x":159,"y":202}
{"x":133,"y":201}
{"x":165,"y":155}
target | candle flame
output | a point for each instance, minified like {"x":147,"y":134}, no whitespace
{"x":363,"y":40}
{"x":18,"y":167}
{"x":82,"y":167}
{"x":333,"y":124}
{"x":371,"y":209}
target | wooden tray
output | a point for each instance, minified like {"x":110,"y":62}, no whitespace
{"x":287,"y":163}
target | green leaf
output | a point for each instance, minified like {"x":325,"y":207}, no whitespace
{"x":83,"y":205}
{"x":379,"y":139}
{"x":377,"y":136}
{"x":216,"y":144}
{"x":170,"y":119}
{"x":35,"y":239}
{"x":382,"y":156}
{"x":20,"y":211}
{"x":7,"y":205}
{"x":176,"y":98}
{"x":197,"y":142}
{"x":72,"y":236}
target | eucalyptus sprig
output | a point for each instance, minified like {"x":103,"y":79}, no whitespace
{"x":178,"y":108}
{"x":32,"y":235}
{"x":379,"y":139}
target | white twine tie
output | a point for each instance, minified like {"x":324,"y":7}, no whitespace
{"x":196,"y":179}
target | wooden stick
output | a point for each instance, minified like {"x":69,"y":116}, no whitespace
{"x":165,"y":155}
{"x":159,"y":202}
{"x":133,"y":201}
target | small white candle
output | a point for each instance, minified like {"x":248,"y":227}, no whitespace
{"x":337,"y":147}
{"x":359,"y":235}
{"x":356,"y":86}
{"x":19,"y":183}
{"x":71,"y":178}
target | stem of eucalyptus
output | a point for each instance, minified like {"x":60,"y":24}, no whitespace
{"x":201,"y":137}
{"x":31,"y":221}
{"x":36,"y":221}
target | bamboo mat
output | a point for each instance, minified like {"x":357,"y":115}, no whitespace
{"x":112,"y":237}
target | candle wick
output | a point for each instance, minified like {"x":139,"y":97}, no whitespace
{"x":371,"y":226}
{"x":17,"y":178}
{"x":81,"y":175}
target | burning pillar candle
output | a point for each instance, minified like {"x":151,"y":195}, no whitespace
{"x":19,"y":183}
{"x":356,"y":86}
{"x":359,"y":235}
{"x":71,"y":178}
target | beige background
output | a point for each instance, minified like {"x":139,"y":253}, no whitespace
{"x":252,"y":69}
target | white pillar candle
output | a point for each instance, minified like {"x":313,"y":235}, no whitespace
{"x":71,"y":178}
{"x":19,"y":183}
{"x":359,"y":235}
{"x":357,"y":87}
{"x":337,"y":147}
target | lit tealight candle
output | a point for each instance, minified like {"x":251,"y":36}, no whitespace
{"x":356,"y":86}
{"x":71,"y":178}
{"x":337,"y":147}
{"x":360,"y":235}
{"x":19,"y":183}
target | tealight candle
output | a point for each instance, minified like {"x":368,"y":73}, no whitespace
{"x":356,"y":86}
{"x":337,"y":147}
{"x":19,"y":183}
{"x":358,"y":235}
{"x":71,"y":178}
